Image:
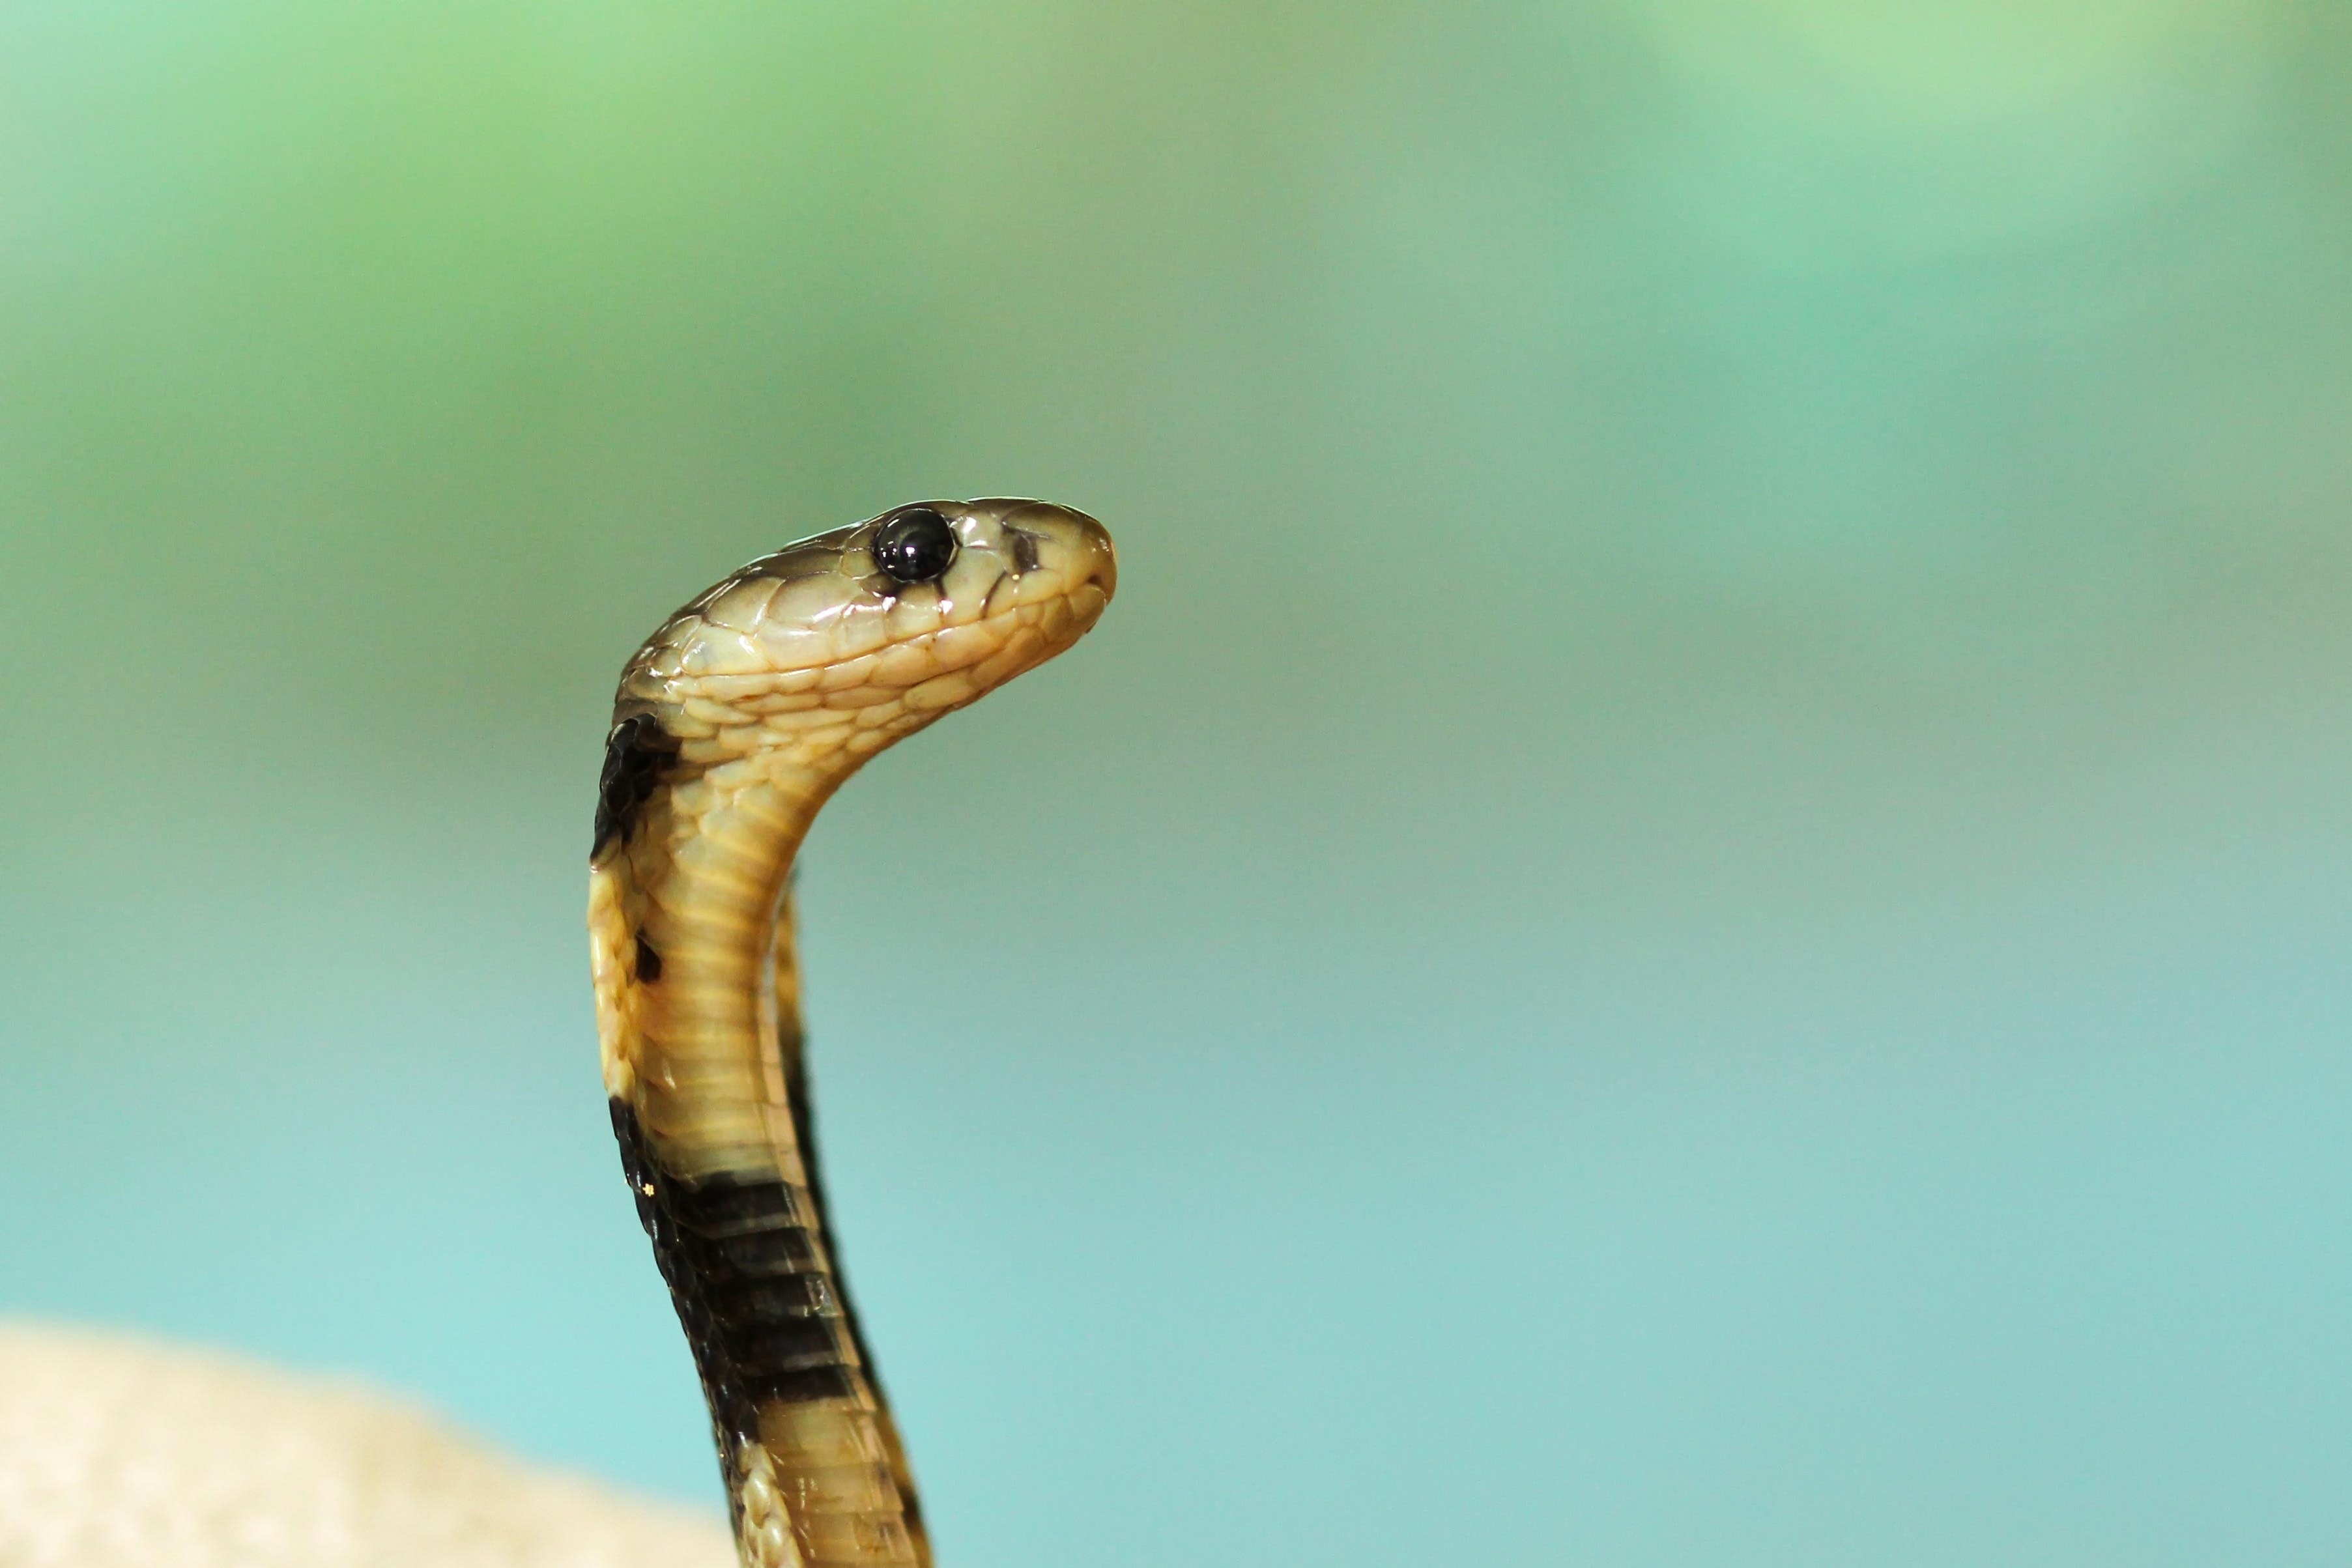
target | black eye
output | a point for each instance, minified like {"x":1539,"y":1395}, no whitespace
{"x":915,"y":545}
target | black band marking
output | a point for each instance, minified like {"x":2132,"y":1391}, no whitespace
{"x":762,"y":1317}
{"x":637,"y":754}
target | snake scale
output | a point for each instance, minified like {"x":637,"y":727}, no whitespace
{"x":734,"y":725}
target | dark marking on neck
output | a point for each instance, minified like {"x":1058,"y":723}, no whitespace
{"x":648,"y":961}
{"x":797,"y":1093}
{"x":763,"y":1314}
{"x":638,"y":755}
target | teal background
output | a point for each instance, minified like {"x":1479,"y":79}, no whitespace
{"x":1692,"y":910}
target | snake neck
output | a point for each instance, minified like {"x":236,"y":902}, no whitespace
{"x":698,"y":1008}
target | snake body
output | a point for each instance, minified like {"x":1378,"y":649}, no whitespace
{"x":734,"y":723}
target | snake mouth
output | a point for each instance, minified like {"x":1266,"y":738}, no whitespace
{"x":976,"y":657}
{"x":1000,"y":644}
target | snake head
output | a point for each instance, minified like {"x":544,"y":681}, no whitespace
{"x":822,"y":653}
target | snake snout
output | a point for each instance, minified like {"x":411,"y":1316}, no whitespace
{"x":1098,"y":561}
{"x":1060,"y":539}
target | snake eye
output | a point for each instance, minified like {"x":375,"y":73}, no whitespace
{"x":914,"y":546}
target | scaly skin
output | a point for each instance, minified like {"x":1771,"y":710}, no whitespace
{"x":734,"y":725}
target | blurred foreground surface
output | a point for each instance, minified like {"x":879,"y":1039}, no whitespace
{"x":117,"y":1453}
{"x":1693,"y":911}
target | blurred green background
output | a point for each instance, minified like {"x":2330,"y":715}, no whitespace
{"x":1693,"y":911}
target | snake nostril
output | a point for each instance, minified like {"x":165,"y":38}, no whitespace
{"x":1022,"y":547}
{"x":914,"y":546}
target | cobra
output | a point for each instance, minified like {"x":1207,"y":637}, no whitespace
{"x":734,"y":725}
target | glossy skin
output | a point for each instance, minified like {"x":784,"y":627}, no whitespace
{"x":734,"y":725}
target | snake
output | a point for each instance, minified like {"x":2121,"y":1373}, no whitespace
{"x":733,"y":724}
